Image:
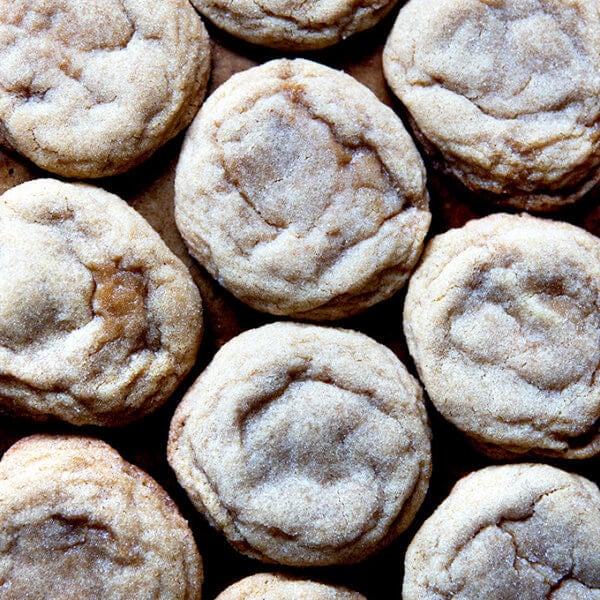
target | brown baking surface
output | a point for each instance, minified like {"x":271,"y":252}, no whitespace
{"x":149,"y":189}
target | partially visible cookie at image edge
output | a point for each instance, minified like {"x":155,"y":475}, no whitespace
{"x":526,"y":532}
{"x":508,"y":92}
{"x":83,"y":100}
{"x":77,"y":521}
{"x":99,"y":320}
{"x":301,"y":193}
{"x":502,"y":319}
{"x":304,"y":445}
{"x":273,"y":586}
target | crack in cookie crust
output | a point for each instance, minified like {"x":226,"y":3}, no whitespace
{"x":325,"y":441}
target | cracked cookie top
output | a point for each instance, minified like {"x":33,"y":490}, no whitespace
{"x":508,"y":91}
{"x":99,"y":320}
{"x":301,"y":192}
{"x":526,"y":532}
{"x":292,"y":24}
{"x":83,"y":100}
{"x":305,"y":445}
{"x":77,"y":521}
{"x":502,"y":318}
{"x":273,"y":586}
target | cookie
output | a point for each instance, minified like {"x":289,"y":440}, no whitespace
{"x":77,"y":521}
{"x":301,"y":192}
{"x":304,"y":445}
{"x":507,"y":92}
{"x":518,"y":532}
{"x":99,"y":321}
{"x":502,"y":318}
{"x":294,"y":25}
{"x":272,"y":586}
{"x":81,"y":100}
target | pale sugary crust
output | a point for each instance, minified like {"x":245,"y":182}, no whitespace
{"x":301,"y":192}
{"x":508,"y":92}
{"x":518,"y":532}
{"x":291,"y":25}
{"x":502,"y":318}
{"x":99,"y":321}
{"x":80,"y":522}
{"x":273,"y":586}
{"x":305,"y":445}
{"x":81,"y":100}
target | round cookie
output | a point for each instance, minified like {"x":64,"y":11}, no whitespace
{"x":294,"y":26}
{"x":273,"y":586}
{"x":502,"y":318}
{"x":87,"y":101}
{"x":507,"y":92}
{"x":517,"y":532}
{"x":304,"y":445}
{"x":77,"y":521}
{"x":301,"y":192}
{"x":99,"y":320}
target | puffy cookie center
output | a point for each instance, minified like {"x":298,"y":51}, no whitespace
{"x":59,"y":558}
{"x":44,"y":290}
{"x":543,"y":326}
{"x":317,"y":194}
{"x":511,"y":58}
{"x":316,"y":460}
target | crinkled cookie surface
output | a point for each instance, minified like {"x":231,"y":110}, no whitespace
{"x":304,"y":445}
{"x":502,"y":318}
{"x":291,"y":25}
{"x":272,"y":586}
{"x":83,"y":100}
{"x":77,"y":521}
{"x":507,"y":91}
{"x":301,"y":192}
{"x":518,"y":532}
{"x":99,"y":321}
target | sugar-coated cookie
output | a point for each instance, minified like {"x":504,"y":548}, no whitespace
{"x":273,"y":586}
{"x":301,"y":192}
{"x":508,"y":92}
{"x":90,"y":88}
{"x":99,"y":320}
{"x":517,"y":532}
{"x":77,"y":521}
{"x":305,"y":445}
{"x":502,"y":318}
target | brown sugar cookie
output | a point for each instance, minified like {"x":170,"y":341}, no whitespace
{"x":301,"y":192}
{"x":508,"y":92}
{"x":77,"y":521}
{"x":273,"y":586}
{"x":304,"y":445}
{"x":289,"y":25}
{"x":517,"y":532}
{"x":83,"y":100}
{"x":502,"y":318}
{"x":99,"y":321}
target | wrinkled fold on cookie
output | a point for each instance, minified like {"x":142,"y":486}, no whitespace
{"x":77,"y":521}
{"x":91,"y":88}
{"x":304,"y":445}
{"x":526,"y":532}
{"x":507,"y":91}
{"x":301,"y":192}
{"x":292,"y":25}
{"x":99,"y":320}
{"x":502,"y":318}
{"x":273,"y":586}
